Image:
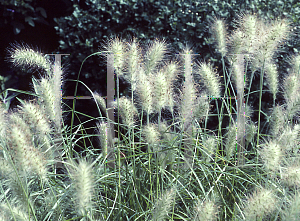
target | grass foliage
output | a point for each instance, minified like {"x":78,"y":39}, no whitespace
{"x":167,"y":164}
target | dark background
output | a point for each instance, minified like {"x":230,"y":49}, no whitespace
{"x":80,"y":27}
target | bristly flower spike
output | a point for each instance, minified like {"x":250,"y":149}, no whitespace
{"x":219,"y":33}
{"x":21,"y":55}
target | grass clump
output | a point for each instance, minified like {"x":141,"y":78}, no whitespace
{"x":169,"y":164}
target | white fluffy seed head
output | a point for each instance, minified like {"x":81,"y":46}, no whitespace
{"x":40,"y":126}
{"x":161,"y":90}
{"x":118,"y":49}
{"x":288,"y":138}
{"x":231,"y":141}
{"x":239,"y":73}
{"x":277,"y":120}
{"x":291,"y":88}
{"x":145,"y":91}
{"x":101,"y":101}
{"x":171,"y":72}
{"x":154,"y":55}
{"x":293,"y":213}
{"x":292,"y":94}
{"x":248,"y":24}
{"x":270,"y":38}
{"x":163,"y":205}
{"x":24,"y":56}
{"x":295,"y":63}
{"x":27,"y":157}
{"x":261,"y":203}
{"x":50,"y":103}
{"x":251,"y":130}
{"x":103,"y":138}
{"x":243,"y":39}
{"x":151,"y":133}
{"x":209,"y":147}
{"x":187,"y":102}
{"x":211,"y":80}
{"x":3,"y":121}
{"x":134,"y":58}
{"x":127,"y":110}
{"x":271,"y":155}
{"x":272,"y":77}
{"x":219,"y":32}
{"x":206,"y":210}
{"x":82,"y":175}
{"x":255,"y":36}
{"x":202,"y":106}
{"x":17,"y":212}
{"x":291,"y":175}
{"x":34,"y":116}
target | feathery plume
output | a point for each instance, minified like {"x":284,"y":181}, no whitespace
{"x":272,"y":77}
{"x":251,"y":130}
{"x":239,"y":73}
{"x":231,"y":141}
{"x":3,"y":121}
{"x":102,"y":130}
{"x":211,"y":81}
{"x":219,"y":32}
{"x":101,"y":102}
{"x":127,"y":110}
{"x":293,"y":212}
{"x":291,"y":94}
{"x":209,"y":147}
{"x":151,"y":133}
{"x":134,"y":58}
{"x":9,"y":212}
{"x":206,"y":210}
{"x":82,"y":175}
{"x":244,"y":39}
{"x":294,"y":61}
{"x":171,"y":73}
{"x":201,"y":106}
{"x":288,"y":138}
{"x":269,"y":38}
{"x":291,"y":175}
{"x":40,"y":127}
{"x":118,"y":48}
{"x":163,"y":205}
{"x":271,"y":155}
{"x":188,"y":93}
{"x":277,"y":120}
{"x":24,"y":56}
{"x":161,"y":90}
{"x":261,"y":203}
{"x":145,"y":91}
{"x":248,"y":24}
{"x":154,"y":55}
{"x":52,"y":106}
{"x":25,"y":154}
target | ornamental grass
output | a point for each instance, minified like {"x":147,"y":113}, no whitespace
{"x":169,"y":163}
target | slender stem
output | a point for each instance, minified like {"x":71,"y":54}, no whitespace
{"x":252,"y":74}
{"x":119,"y":155}
{"x":132,"y":142}
{"x":259,"y":110}
{"x":149,"y":162}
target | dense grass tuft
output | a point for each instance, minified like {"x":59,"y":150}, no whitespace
{"x":167,"y":164}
